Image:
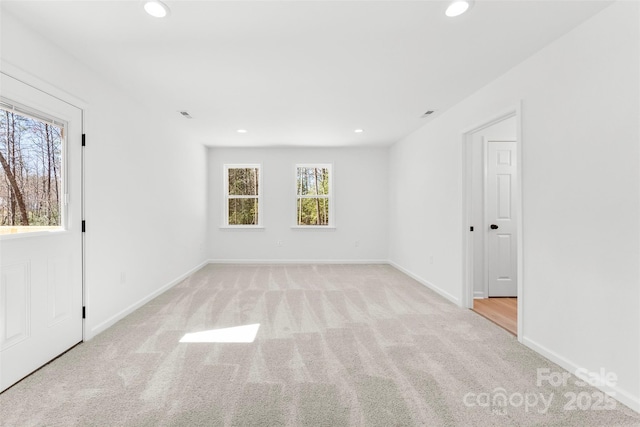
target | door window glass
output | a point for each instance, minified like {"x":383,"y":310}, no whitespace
{"x":31,"y":173}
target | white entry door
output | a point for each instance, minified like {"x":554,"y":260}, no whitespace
{"x":41,"y":262}
{"x":501,"y":227}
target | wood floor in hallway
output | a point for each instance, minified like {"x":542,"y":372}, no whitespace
{"x":501,"y":311}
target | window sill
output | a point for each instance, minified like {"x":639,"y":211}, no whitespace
{"x":314,"y":227}
{"x":241,"y":227}
{"x":5,"y":234}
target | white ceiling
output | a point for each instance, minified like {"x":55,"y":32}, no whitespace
{"x":301,"y":73}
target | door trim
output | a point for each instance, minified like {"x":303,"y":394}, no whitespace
{"x":467,"y":235}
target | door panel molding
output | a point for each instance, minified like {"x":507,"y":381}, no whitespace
{"x":59,"y":292}
{"x":15,"y":294}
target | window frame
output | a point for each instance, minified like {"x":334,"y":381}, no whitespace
{"x":40,"y":115}
{"x":227,"y":196}
{"x":330,"y":197}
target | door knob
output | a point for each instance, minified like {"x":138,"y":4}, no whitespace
{"x":494,"y":227}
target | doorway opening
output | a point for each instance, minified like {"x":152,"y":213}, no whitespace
{"x":492,"y":285}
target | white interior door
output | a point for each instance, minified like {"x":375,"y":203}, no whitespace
{"x":41,"y":271}
{"x":501,"y":227}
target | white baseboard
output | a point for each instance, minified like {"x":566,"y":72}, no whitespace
{"x":426,"y":283}
{"x":621,"y":395}
{"x":298,"y":261}
{"x":89,"y":334}
{"x":478,"y":295}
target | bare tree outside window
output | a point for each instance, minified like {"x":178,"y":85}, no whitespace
{"x":313,"y":195}
{"x":243,"y":194}
{"x":31,"y":188}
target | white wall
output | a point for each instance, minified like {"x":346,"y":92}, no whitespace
{"x":360,"y":184}
{"x":145,"y":187}
{"x":581,"y":215}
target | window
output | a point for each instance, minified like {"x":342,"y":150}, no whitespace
{"x":31,"y":172}
{"x":313,"y":196}
{"x":242,"y":185}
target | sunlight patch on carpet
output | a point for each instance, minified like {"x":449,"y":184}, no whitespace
{"x":236,"y":334}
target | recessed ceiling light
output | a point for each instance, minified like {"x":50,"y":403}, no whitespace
{"x":156,"y":8}
{"x":241,"y":131}
{"x":457,"y":8}
{"x":359,"y":130}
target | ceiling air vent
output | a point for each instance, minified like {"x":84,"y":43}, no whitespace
{"x":185,"y":115}
{"x":428,"y":113}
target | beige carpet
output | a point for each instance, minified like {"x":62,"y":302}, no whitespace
{"x":337,"y":346}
